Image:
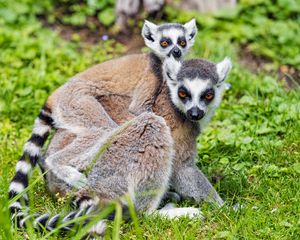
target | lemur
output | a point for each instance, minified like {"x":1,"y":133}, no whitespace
{"x":77,"y":105}
{"x":156,"y":150}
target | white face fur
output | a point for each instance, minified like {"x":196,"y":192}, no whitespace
{"x":170,"y":39}
{"x":196,"y":88}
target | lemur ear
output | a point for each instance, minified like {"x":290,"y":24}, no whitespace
{"x":171,"y":68}
{"x":149,"y":31}
{"x":223,"y":69}
{"x":191,"y":29}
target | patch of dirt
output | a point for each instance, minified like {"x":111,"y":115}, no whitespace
{"x":251,"y":61}
{"x":289,"y":75}
{"x":286,"y":74}
{"x":73,"y":33}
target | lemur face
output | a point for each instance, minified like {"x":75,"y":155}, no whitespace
{"x":196,"y":85}
{"x":170,"y":39}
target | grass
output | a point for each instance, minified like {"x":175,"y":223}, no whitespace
{"x":253,"y":142}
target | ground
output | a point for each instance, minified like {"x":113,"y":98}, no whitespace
{"x":251,"y":149}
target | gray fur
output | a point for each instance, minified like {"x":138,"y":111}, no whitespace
{"x":170,"y":26}
{"x":198,"y":68}
{"x":134,"y":149}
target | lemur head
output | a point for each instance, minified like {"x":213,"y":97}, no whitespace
{"x":196,"y":86}
{"x":170,"y":39}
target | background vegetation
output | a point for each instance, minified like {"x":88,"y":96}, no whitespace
{"x":251,"y":149}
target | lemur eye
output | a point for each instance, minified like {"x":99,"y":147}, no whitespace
{"x":182,"y":43}
{"x":209,"y":96}
{"x":164,"y":44}
{"x":182,"y":94}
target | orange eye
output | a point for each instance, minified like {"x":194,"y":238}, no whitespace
{"x":182,"y":94}
{"x":164,"y":44}
{"x":209,"y":96}
{"x":182,"y":43}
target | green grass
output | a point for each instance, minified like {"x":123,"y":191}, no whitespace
{"x":253,"y":141}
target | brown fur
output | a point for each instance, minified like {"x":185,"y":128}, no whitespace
{"x":123,"y":78}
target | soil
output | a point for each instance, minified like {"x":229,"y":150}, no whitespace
{"x":286,"y":74}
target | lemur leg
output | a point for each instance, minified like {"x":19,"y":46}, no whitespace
{"x":138,"y":162}
{"x":190,"y":182}
{"x":68,"y":163}
{"x":85,"y":117}
{"x":60,"y":140}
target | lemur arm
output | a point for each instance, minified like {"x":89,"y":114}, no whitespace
{"x":148,"y":88}
{"x":143,"y":97}
{"x":190,"y":182}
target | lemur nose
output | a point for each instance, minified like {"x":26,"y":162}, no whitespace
{"x":195,"y":114}
{"x":176,"y":52}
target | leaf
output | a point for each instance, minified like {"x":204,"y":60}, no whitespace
{"x":247,"y":140}
{"x":8,"y":15}
{"x":272,"y":168}
{"x":107,"y":16}
{"x":24,"y":91}
{"x":239,"y":166}
{"x":285,"y":224}
{"x":296,"y":167}
{"x":247,"y":100}
{"x":224,"y":160}
{"x":263,"y":130}
{"x":223,"y":234}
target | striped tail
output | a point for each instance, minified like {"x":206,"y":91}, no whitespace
{"x":42,"y":126}
{"x":46,"y":222}
{"x":85,"y":207}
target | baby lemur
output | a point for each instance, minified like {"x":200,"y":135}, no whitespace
{"x":154,"y":149}
{"x":77,"y":105}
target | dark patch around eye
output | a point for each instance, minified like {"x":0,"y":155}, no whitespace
{"x":168,"y":40}
{"x":206,"y":92}
{"x":188,"y":94}
{"x":181,"y":39}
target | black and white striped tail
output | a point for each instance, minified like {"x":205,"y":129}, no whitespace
{"x":42,"y":126}
{"x":46,"y":222}
{"x":85,"y":206}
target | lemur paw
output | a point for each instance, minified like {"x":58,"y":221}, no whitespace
{"x":74,"y":177}
{"x":189,"y":212}
{"x":81,"y":182}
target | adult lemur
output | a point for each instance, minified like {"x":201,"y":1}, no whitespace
{"x":77,"y":106}
{"x":155,"y":149}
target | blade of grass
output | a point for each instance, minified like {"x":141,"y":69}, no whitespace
{"x":134,"y":218}
{"x":117,"y":222}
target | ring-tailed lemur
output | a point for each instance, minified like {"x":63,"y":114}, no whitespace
{"x":157,"y":148}
{"x":76,"y":106}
